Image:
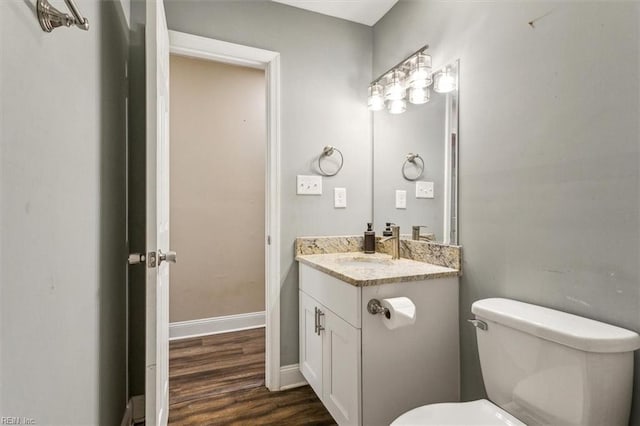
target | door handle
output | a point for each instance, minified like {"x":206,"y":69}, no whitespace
{"x":315,"y":329}
{"x":169,"y":256}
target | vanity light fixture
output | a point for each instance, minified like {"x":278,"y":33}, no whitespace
{"x":397,"y":106}
{"x":413,"y":74}
{"x":420,"y":71}
{"x":376,"y":97}
{"x":444,"y":82}
{"x":394,"y":89}
{"x":419,"y":95}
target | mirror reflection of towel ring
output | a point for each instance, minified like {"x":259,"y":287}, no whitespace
{"x":413,"y":159}
{"x":328,"y":152}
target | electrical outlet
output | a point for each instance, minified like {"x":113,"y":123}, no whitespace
{"x":424,"y":189}
{"x":309,"y":185}
{"x":401,"y":199}
{"x":340,"y":198}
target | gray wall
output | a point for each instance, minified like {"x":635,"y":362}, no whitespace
{"x":326,"y":67}
{"x":549,"y":165}
{"x":62,"y":216}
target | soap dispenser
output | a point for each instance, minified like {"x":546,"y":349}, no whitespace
{"x":387,"y":231}
{"x":369,"y":239}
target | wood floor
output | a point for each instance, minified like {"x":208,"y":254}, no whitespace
{"x":219,"y":380}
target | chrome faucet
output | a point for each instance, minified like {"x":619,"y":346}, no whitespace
{"x":415,"y":233}
{"x":395,"y":235}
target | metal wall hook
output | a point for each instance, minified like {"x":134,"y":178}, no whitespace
{"x":328,"y":151}
{"x":51,"y":18}
{"x":413,"y":159}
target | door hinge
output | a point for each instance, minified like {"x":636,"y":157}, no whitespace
{"x":152,"y":259}
{"x":268,"y":240}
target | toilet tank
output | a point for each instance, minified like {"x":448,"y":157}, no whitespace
{"x":548,"y":367}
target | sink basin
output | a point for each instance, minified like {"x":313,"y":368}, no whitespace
{"x":365,"y":261}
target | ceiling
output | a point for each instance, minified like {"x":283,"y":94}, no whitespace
{"x":366,"y":12}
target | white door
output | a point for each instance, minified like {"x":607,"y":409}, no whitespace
{"x":157,"y":216}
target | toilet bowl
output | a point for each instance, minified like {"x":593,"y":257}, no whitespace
{"x":542,"y":367}
{"x":480,"y":412}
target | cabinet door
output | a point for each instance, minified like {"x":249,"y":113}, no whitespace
{"x":341,"y":369}
{"x":310,"y":343}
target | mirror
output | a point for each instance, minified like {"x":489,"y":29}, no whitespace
{"x":431,"y":131}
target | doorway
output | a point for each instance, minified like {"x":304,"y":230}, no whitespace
{"x":217,"y":181}
{"x":207,"y":53}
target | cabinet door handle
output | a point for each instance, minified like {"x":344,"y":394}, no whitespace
{"x":320,"y":327}
{"x":316,"y":320}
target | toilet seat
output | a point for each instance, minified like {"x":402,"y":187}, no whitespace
{"x":474,"y":413}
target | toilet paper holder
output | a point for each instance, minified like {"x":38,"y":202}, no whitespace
{"x":375,"y":307}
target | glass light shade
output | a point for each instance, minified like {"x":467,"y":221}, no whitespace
{"x":397,"y":106}
{"x":394,"y":89}
{"x":419,"y":95}
{"x":444,"y":82}
{"x":420,"y":71}
{"x":375,"y":100}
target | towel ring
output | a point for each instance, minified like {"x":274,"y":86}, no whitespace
{"x":411,"y":158}
{"x":328,"y":152}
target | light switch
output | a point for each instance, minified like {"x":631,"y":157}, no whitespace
{"x":401,"y":199}
{"x":309,"y":185}
{"x":424,"y":189}
{"x":340,"y":198}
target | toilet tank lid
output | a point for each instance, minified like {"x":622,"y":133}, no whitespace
{"x":560,"y":327}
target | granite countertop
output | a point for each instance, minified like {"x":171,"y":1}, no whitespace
{"x":360,"y":269}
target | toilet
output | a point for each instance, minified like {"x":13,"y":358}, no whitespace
{"x":542,"y":367}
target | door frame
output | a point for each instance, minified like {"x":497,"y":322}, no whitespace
{"x":194,"y":46}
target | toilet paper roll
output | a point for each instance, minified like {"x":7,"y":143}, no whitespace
{"x":402,"y":312}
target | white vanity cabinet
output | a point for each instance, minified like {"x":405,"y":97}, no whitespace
{"x":330,"y":346}
{"x":364,"y":373}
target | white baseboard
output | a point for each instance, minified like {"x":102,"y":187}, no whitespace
{"x":215,"y":325}
{"x":291,"y":377}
